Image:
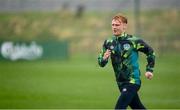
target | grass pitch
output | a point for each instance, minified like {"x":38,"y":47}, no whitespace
{"x":82,"y":84}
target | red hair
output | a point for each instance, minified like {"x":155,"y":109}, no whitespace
{"x":120,"y":18}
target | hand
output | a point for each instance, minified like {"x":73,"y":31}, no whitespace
{"x":107,"y":54}
{"x":149,"y":75}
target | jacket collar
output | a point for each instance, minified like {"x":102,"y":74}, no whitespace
{"x":122,"y":36}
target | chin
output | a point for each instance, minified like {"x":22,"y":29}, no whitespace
{"x":116,"y":34}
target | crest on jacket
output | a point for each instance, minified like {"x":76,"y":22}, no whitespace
{"x":126,"y":46}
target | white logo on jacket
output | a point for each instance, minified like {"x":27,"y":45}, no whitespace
{"x":126,"y":46}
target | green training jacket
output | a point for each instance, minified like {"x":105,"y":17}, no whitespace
{"x":124,"y":57}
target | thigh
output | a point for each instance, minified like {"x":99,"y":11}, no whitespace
{"x":136,"y":102}
{"x":127,"y":95}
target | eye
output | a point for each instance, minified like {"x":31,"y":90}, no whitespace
{"x":117,"y":24}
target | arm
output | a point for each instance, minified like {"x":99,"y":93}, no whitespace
{"x":146,"y":49}
{"x":103,"y":56}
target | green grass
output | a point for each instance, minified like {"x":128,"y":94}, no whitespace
{"x":82,"y":84}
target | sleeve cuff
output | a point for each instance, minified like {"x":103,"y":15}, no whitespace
{"x":149,"y":69}
{"x":102,"y":62}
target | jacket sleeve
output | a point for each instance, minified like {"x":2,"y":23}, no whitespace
{"x":146,"y":49}
{"x":101,"y":61}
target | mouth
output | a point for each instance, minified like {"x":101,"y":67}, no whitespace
{"x":114,"y":31}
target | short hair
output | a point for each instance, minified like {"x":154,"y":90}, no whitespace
{"x":120,"y":17}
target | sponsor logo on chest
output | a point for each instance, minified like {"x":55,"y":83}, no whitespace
{"x":111,"y":47}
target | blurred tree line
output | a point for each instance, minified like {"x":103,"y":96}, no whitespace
{"x":86,"y":31}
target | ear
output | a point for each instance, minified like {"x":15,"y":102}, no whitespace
{"x":124,"y":26}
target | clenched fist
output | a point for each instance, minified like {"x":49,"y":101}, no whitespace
{"x":107,"y":54}
{"x":149,"y":75}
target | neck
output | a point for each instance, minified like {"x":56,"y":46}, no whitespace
{"x":121,"y":35}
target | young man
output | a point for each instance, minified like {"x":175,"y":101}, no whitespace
{"x":123,"y":50}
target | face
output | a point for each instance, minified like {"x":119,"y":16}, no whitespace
{"x":118,"y":27}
